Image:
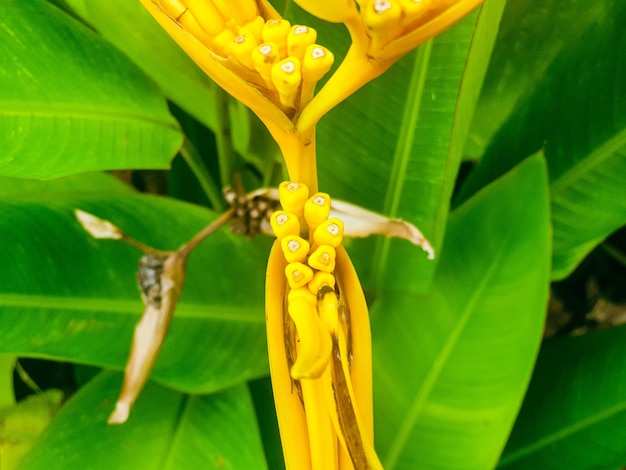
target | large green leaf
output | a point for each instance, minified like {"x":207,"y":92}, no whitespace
{"x":128,"y":26}
{"x":167,"y":431}
{"x":451,"y":368}
{"x":69,"y":102}
{"x":574,"y":415}
{"x":68,"y":296}
{"x":395,"y":146}
{"x":575,"y":113}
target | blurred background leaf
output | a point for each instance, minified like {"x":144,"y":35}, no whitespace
{"x":574,"y":415}
{"x":167,"y":430}
{"x":451,"y":368}
{"x":22,"y":424}
{"x":70,"y":102}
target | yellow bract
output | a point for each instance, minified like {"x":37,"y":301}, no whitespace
{"x":318,"y":339}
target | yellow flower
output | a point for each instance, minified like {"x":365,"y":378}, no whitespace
{"x":260,"y":59}
{"x":318,"y":339}
{"x":382,"y":31}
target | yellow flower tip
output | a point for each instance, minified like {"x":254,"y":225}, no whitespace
{"x":293,"y":196}
{"x":381,"y":17}
{"x":254,"y":28}
{"x":298,"y":274}
{"x":316,"y":210}
{"x":286,"y":77}
{"x":333,"y":11}
{"x":316,"y":62}
{"x":241,"y":48}
{"x":276,"y":31}
{"x":323,"y":258}
{"x":329,"y":232}
{"x":263,"y":59}
{"x":320,"y":280}
{"x":284,"y":223}
{"x":299,"y":38}
{"x":295,"y":248}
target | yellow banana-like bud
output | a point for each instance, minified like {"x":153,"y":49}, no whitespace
{"x":316,"y":210}
{"x":286,"y":77}
{"x":241,"y":48}
{"x":381,"y":16}
{"x":276,"y":31}
{"x":334,"y":11}
{"x":323,"y":258}
{"x":284,"y":223}
{"x":316,"y":63}
{"x":299,"y":38}
{"x":255,"y":28}
{"x":295,"y":249}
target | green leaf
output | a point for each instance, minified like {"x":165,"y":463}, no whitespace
{"x":21,"y":425}
{"x":67,"y":296}
{"x":402,"y":157}
{"x":574,"y":415}
{"x":70,"y":103}
{"x":7,"y":367}
{"x":451,"y":368}
{"x":130,"y":28}
{"x":580,"y":127}
{"x":166,"y":431}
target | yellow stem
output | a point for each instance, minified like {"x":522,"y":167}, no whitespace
{"x":356,"y":70}
{"x":298,"y":149}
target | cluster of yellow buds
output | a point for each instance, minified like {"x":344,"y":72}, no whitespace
{"x":281,"y":59}
{"x":318,"y":338}
{"x":382,"y":31}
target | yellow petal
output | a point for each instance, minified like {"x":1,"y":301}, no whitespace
{"x":294,"y":434}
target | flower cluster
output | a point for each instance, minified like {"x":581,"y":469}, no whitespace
{"x":317,"y":322}
{"x":318,"y":338}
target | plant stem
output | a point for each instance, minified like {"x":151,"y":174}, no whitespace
{"x":200,"y":170}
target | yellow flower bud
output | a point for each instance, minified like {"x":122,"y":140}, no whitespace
{"x":298,"y":274}
{"x":321,"y":279}
{"x":316,"y":63}
{"x":292,"y":197}
{"x":294,"y":248}
{"x":241,"y":48}
{"x":276,"y":31}
{"x":323,"y":258}
{"x":381,"y":16}
{"x":263,"y":58}
{"x":284,"y":223}
{"x":286,"y":77}
{"x":329,"y":232}
{"x":299,"y":38}
{"x":316,"y":210}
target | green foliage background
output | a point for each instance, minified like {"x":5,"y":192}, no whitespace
{"x":536,"y":93}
